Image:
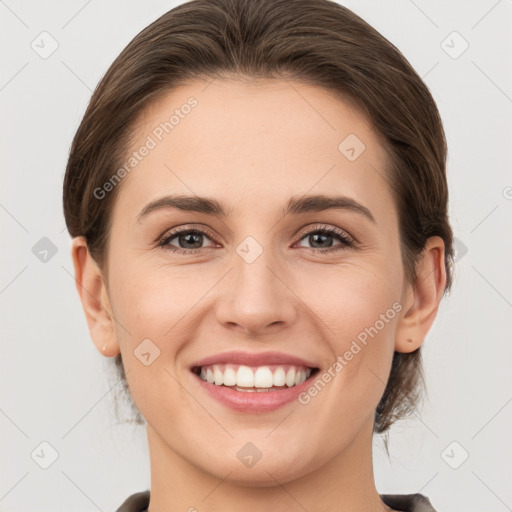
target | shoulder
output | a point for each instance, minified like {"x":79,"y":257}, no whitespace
{"x":137,"y":502}
{"x":408,"y":502}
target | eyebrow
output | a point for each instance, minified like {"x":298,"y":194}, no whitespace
{"x":295,"y":205}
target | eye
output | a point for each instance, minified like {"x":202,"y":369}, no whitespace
{"x":185,"y":240}
{"x":321,"y":239}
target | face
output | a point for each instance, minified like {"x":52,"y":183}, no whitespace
{"x":306,"y":286}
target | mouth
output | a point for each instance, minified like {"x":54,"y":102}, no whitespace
{"x":253,"y":382}
{"x":255,"y":379}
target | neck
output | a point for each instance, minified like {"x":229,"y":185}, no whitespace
{"x":345,"y":482}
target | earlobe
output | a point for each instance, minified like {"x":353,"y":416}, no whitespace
{"x":95,"y":302}
{"x":422,"y":297}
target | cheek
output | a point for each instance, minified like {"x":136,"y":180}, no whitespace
{"x":153,"y":309}
{"x":352,"y":296}
{"x":359,"y":308}
{"x":153,"y":301}
{"x":157,"y":310}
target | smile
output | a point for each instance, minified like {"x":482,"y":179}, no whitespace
{"x":253,"y":389}
{"x":254,"y":378}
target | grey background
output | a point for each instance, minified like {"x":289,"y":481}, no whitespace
{"x":55,"y":386}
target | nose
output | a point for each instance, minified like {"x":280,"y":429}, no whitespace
{"x":255,"y":297}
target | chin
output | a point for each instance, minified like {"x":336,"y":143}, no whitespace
{"x":268,"y":471}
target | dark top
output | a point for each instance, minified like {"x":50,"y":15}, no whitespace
{"x":139,"y":502}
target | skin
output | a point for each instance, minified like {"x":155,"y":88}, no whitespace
{"x":252,"y":146}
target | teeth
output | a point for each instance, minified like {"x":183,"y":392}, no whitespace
{"x":279,"y":378}
{"x":251,"y":379}
{"x":244,"y":377}
{"x":218,"y":376}
{"x":263,"y":377}
{"x":290,"y":378}
{"x":229,"y":377}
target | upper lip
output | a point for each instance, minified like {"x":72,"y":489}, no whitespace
{"x":253,"y":359}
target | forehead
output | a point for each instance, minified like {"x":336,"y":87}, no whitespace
{"x":253,"y":142}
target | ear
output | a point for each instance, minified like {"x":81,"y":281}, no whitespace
{"x":95,"y":302}
{"x":421,"y":299}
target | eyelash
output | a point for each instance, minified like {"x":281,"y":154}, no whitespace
{"x":347,"y":242}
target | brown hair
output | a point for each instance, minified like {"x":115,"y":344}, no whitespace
{"x":314,"y":41}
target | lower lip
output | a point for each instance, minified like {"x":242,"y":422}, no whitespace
{"x":247,"y":401}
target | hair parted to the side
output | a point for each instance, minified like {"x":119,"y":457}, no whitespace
{"x":318,"y":42}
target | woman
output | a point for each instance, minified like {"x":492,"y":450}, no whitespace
{"x":258,"y":204}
